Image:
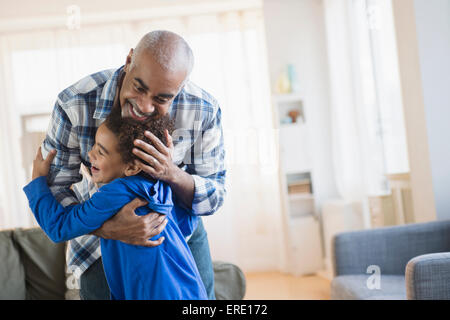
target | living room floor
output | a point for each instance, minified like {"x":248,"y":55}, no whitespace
{"x":281,"y":286}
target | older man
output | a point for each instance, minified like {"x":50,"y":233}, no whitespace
{"x":153,"y":82}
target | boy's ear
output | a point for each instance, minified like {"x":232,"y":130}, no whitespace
{"x":132,"y":169}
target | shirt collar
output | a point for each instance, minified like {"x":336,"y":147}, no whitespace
{"x":105,"y":103}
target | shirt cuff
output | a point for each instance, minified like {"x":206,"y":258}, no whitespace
{"x":38,"y":184}
{"x":202,"y":203}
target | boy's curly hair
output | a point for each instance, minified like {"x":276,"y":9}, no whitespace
{"x":127,"y":130}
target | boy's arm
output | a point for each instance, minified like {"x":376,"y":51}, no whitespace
{"x":65,"y":223}
{"x":62,"y":136}
{"x":61,"y":223}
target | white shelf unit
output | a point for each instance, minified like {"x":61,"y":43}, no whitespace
{"x":300,"y":222}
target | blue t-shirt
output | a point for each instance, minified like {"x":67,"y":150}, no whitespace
{"x":164,"y":272}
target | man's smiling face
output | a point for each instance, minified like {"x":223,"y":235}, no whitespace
{"x":148,"y":90}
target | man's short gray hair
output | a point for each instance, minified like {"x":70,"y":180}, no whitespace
{"x":169,"y":50}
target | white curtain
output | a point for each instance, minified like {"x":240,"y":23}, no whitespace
{"x":366,"y":108}
{"x":230,"y":63}
{"x":348,"y":142}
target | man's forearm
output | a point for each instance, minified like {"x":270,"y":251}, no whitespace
{"x":182,"y":185}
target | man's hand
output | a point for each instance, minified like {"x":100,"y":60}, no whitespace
{"x":130,"y":228}
{"x":41,"y":167}
{"x":162,"y":168}
{"x":158,"y":156}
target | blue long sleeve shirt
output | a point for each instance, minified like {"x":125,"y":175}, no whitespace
{"x":164,"y":272}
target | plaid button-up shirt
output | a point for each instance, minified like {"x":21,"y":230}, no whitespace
{"x":82,"y":107}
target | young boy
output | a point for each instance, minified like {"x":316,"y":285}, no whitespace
{"x":164,"y":272}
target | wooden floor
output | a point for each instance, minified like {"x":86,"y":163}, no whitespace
{"x":280,"y":286}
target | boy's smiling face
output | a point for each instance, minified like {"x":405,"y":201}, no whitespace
{"x":106,"y":161}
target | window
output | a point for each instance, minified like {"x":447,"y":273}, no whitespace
{"x":40,"y":74}
{"x":379,"y":90}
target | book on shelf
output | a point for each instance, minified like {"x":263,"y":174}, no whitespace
{"x":303,"y":186}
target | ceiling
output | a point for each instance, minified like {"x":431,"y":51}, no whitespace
{"x":18,"y":9}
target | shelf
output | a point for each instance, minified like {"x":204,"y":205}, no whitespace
{"x":303,"y":170}
{"x":287,"y":97}
{"x":301,"y":196}
{"x":292,"y":125}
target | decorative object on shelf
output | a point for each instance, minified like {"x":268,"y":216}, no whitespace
{"x":287,"y":81}
{"x":293,"y":114}
{"x":289,"y":107}
{"x":286,"y":120}
{"x":283,"y":84}
{"x":293,"y":79}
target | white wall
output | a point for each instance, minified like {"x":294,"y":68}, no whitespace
{"x":423,"y":41}
{"x":45,"y":8}
{"x":21,"y":15}
{"x":433,"y":36}
{"x":295,"y":33}
{"x":414,"y":110}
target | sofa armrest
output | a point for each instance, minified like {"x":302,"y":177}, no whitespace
{"x":428,"y":277}
{"x":389,"y":248}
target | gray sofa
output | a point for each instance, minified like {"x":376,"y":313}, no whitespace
{"x":33,"y":268}
{"x":413,"y":262}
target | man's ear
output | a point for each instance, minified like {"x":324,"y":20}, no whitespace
{"x":132,"y":169}
{"x":129,"y":59}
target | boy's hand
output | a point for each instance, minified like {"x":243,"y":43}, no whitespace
{"x":41,"y":166}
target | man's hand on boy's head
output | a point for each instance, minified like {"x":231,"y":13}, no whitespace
{"x":41,"y":166}
{"x":157,"y":155}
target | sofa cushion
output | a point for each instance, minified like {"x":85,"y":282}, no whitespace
{"x":12,"y":275}
{"x":44,"y":263}
{"x":354,"y":287}
{"x":229,"y":281}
